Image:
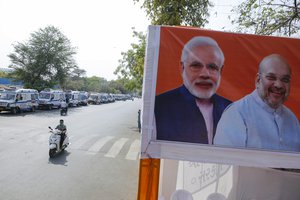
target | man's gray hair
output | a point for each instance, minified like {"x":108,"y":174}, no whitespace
{"x":201,"y":41}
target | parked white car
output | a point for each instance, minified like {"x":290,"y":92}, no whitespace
{"x":49,"y":98}
{"x":19,"y":100}
{"x":72,"y":98}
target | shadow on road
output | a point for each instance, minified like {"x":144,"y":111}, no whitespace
{"x":22,"y":114}
{"x":42,"y":112}
{"x":60,"y":159}
{"x":134,"y":128}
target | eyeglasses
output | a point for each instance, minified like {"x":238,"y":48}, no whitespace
{"x":198,"y":66}
{"x":273,"y":77}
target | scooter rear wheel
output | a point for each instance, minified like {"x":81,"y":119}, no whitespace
{"x":51,"y":152}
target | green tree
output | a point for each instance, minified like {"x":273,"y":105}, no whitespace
{"x":89,"y":84}
{"x":3,"y":74}
{"x":78,"y":73}
{"x":93,"y":84}
{"x":76,"y":80}
{"x":118,"y":86}
{"x":131,"y":66}
{"x":78,"y":84}
{"x":104,"y":85}
{"x":45,"y":60}
{"x":177,"y":12}
{"x":268,"y":17}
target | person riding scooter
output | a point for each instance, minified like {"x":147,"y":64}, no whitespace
{"x":63,"y":108}
{"x":62,"y":127}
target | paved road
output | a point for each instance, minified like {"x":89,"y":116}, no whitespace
{"x":101,"y":162}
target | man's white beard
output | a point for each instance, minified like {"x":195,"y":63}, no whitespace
{"x":203,"y":94}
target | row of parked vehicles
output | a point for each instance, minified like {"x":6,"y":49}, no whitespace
{"x":20,"y":100}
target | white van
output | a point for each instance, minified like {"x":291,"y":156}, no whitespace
{"x":72,"y":98}
{"x":94,"y":98}
{"x":83,"y":98}
{"x":49,"y":98}
{"x":19,"y":100}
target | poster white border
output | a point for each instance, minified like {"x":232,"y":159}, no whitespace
{"x":152,"y":148}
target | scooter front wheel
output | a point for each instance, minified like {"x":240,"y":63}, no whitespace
{"x":51,"y":152}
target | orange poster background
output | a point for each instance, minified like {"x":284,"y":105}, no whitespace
{"x":242,"y":52}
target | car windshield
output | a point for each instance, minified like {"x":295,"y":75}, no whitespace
{"x":44,"y":95}
{"x":94,"y":96}
{"x":7,"y":96}
{"x":83,"y":97}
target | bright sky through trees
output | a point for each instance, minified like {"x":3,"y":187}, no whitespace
{"x":101,"y":30}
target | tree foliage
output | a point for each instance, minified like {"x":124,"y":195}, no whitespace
{"x":3,"y":74}
{"x":268,"y":17}
{"x":118,"y":86}
{"x":45,"y":60}
{"x":177,"y":12}
{"x":77,"y":73}
{"x":95,"y":84}
{"x":131,"y":66}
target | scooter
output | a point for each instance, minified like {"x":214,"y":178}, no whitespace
{"x":63,"y":111}
{"x":54,"y":142}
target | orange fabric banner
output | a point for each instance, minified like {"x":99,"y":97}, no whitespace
{"x":242,"y":52}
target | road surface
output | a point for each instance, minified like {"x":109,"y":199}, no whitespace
{"x":100,"y":163}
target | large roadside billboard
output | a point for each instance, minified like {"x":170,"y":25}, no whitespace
{"x":243,"y":53}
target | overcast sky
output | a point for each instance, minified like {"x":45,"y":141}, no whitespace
{"x":100,"y":30}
